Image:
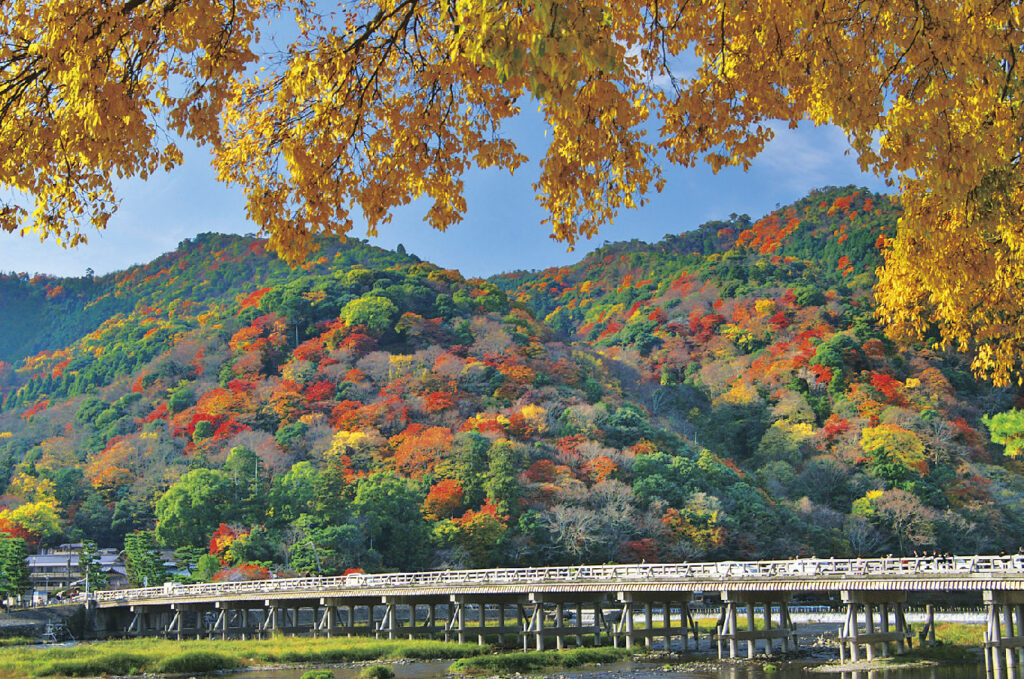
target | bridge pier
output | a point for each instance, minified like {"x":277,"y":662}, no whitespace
{"x":882,"y":603}
{"x":1004,"y":634}
{"x":728,"y":628}
{"x":626,"y":629}
{"x":328,"y":623}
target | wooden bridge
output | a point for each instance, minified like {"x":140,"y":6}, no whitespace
{"x":530,"y":606}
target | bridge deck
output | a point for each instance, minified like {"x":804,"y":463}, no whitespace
{"x":971,"y":573}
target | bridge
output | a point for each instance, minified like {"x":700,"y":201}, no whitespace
{"x":532,"y":606}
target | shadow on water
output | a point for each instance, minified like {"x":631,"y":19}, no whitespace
{"x":634,"y":670}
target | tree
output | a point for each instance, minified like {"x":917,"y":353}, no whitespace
{"x":373,"y":311}
{"x":387,"y":509}
{"x":1007,"y":429}
{"x":421,"y":90}
{"x":89,"y":565}
{"x":191,"y":509}
{"x":142,"y":560}
{"x":14,"y":576}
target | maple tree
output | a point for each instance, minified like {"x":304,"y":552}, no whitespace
{"x":420,"y":90}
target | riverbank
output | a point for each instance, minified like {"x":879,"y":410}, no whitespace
{"x":159,"y":656}
{"x":959,"y":644}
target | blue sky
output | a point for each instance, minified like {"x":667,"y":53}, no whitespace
{"x":501,"y":230}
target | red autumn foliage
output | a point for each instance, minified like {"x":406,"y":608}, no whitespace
{"x":436,"y":401}
{"x":320,"y":391}
{"x":418,"y":449}
{"x":843,"y":203}
{"x":822,"y":373}
{"x":779,"y":320}
{"x":58,"y":370}
{"x":159,"y":413}
{"x":15,"y":530}
{"x":39,"y":407}
{"x":889,"y":387}
{"x":766,"y":235}
{"x":640,"y":551}
{"x":242,"y":573}
{"x":221,"y":540}
{"x":600,"y":468}
{"x":253,"y":298}
{"x":834,"y":426}
{"x":443,"y":499}
{"x":541,"y":471}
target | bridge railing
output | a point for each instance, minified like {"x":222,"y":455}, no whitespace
{"x":810,"y":568}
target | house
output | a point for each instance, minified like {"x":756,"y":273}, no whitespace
{"x":57,"y":571}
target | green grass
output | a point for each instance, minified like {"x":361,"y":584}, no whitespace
{"x":318,"y":674}
{"x":16,"y":641}
{"x":377,"y":672}
{"x":165,"y":656}
{"x":959,"y":634}
{"x":957,"y":643}
{"x":532,"y":661}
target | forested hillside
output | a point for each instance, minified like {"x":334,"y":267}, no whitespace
{"x":724,"y":392}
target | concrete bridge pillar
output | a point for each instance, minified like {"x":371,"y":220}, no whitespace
{"x":889,"y":606}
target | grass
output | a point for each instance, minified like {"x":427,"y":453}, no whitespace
{"x":318,"y":674}
{"x":960,"y":634}
{"x":377,"y":672}
{"x":16,"y":641}
{"x":185,"y":657}
{"x":957,"y":643}
{"x":532,"y":661}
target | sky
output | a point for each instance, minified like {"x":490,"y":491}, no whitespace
{"x":502,"y":228}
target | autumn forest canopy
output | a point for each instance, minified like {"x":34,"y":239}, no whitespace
{"x":328,"y":116}
{"x":726,"y":392}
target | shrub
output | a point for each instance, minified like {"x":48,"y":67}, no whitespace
{"x":377,"y":672}
{"x":318,"y":674}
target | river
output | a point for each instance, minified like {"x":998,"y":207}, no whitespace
{"x":636,"y":670}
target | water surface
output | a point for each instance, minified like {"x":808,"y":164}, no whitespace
{"x":636,"y":670}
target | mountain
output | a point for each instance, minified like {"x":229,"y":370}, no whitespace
{"x":724,"y":392}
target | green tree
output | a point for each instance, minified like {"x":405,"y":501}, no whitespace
{"x":376,"y":313}
{"x":191,"y":509}
{"x":502,"y":484}
{"x":186,"y":560}
{"x":292,"y":493}
{"x":142,"y":560}
{"x":89,"y":565}
{"x":14,"y":576}
{"x":1007,"y":429}
{"x":387,"y":508}
{"x":243,"y":467}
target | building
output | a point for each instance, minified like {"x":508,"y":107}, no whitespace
{"x":57,"y":571}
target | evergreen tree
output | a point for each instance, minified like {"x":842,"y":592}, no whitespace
{"x":89,"y":565}
{"x":14,"y":580}
{"x":142,"y":560}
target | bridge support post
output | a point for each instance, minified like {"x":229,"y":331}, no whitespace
{"x":728,"y":630}
{"x":1004,"y":633}
{"x":874,"y":640}
{"x":627,"y":623}
{"x":627,"y":630}
{"x":537,"y":625}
